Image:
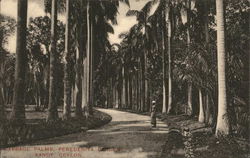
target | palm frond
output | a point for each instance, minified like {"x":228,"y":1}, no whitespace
{"x":109,"y":28}
{"x":126,"y":2}
{"x":147,"y":7}
{"x":133,"y":13}
{"x":123,"y":35}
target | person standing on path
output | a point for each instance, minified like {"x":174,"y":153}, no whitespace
{"x":153,"y":114}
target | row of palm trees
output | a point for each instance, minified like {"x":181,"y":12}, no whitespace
{"x":181,"y":33}
{"x":82,"y":19}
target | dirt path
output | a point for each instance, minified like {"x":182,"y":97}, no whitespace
{"x":126,"y":136}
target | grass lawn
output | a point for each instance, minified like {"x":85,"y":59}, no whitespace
{"x":37,"y":128}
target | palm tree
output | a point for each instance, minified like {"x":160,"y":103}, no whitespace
{"x":126,"y":56}
{"x":167,"y":7}
{"x":189,"y":108}
{"x":142,"y":17}
{"x":208,"y":114}
{"x":73,"y":90}
{"x":112,"y":68}
{"x":201,"y":111}
{"x":164,"y":68}
{"x":185,"y":13}
{"x":2,"y":110}
{"x":223,"y":126}
{"x":170,"y":24}
{"x":93,"y":12}
{"x":124,"y":101}
{"x":132,"y":45}
{"x":159,"y":29}
{"x":52,"y":109}
{"x":18,"y":107}
{"x":86,"y":80}
{"x":67,"y":66}
{"x":79,"y":60}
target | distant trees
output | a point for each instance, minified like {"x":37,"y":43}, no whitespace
{"x":190,"y":63}
{"x":6,"y":64}
{"x":38,"y":44}
{"x":97,"y":44}
{"x":6,"y":29}
{"x":143,"y":22}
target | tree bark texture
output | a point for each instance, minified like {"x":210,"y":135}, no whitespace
{"x":52,"y":109}
{"x":222,"y":127}
{"x":170,"y":73}
{"x":18,"y":104}
{"x":67,"y":67}
{"x":201,"y":109}
{"x":164,"y":84}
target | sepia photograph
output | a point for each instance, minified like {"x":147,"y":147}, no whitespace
{"x":124,"y":78}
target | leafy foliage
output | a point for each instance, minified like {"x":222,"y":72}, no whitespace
{"x":7,"y":28}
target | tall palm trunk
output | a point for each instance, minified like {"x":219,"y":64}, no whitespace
{"x":190,"y":87}
{"x":116,"y":96}
{"x":123,"y":87}
{"x":84,"y":83}
{"x":208,"y":111}
{"x":147,"y":100}
{"x":87,"y":85}
{"x":138,"y":94}
{"x":130,"y":91}
{"x":79,"y":63}
{"x":86,"y":66}
{"x":170,"y":73}
{"x":144,"y":77}
{"x":18,"y":107}
{"x":2,"y":100}
{"x":73,"y":86}
{"x":126,"y":86}
{"x":106,"y":85}
{"x":134,"y":91}
{"x":201,"y":110}
{"x":164,"y":84}
{"x":189,"y":111}
{"x":223,"y":126}
{"x":113,"y":92}
{"x":2,"y":103}
{"x":208,"y":114}
{"x":91,"y":64}
{"x":142,"y":85}
{"x":67,"y":82}
{"x":52,"y":110}
{"x":120,"y":91}
{"x":143,"y":94}
{"x":140,"y":99}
